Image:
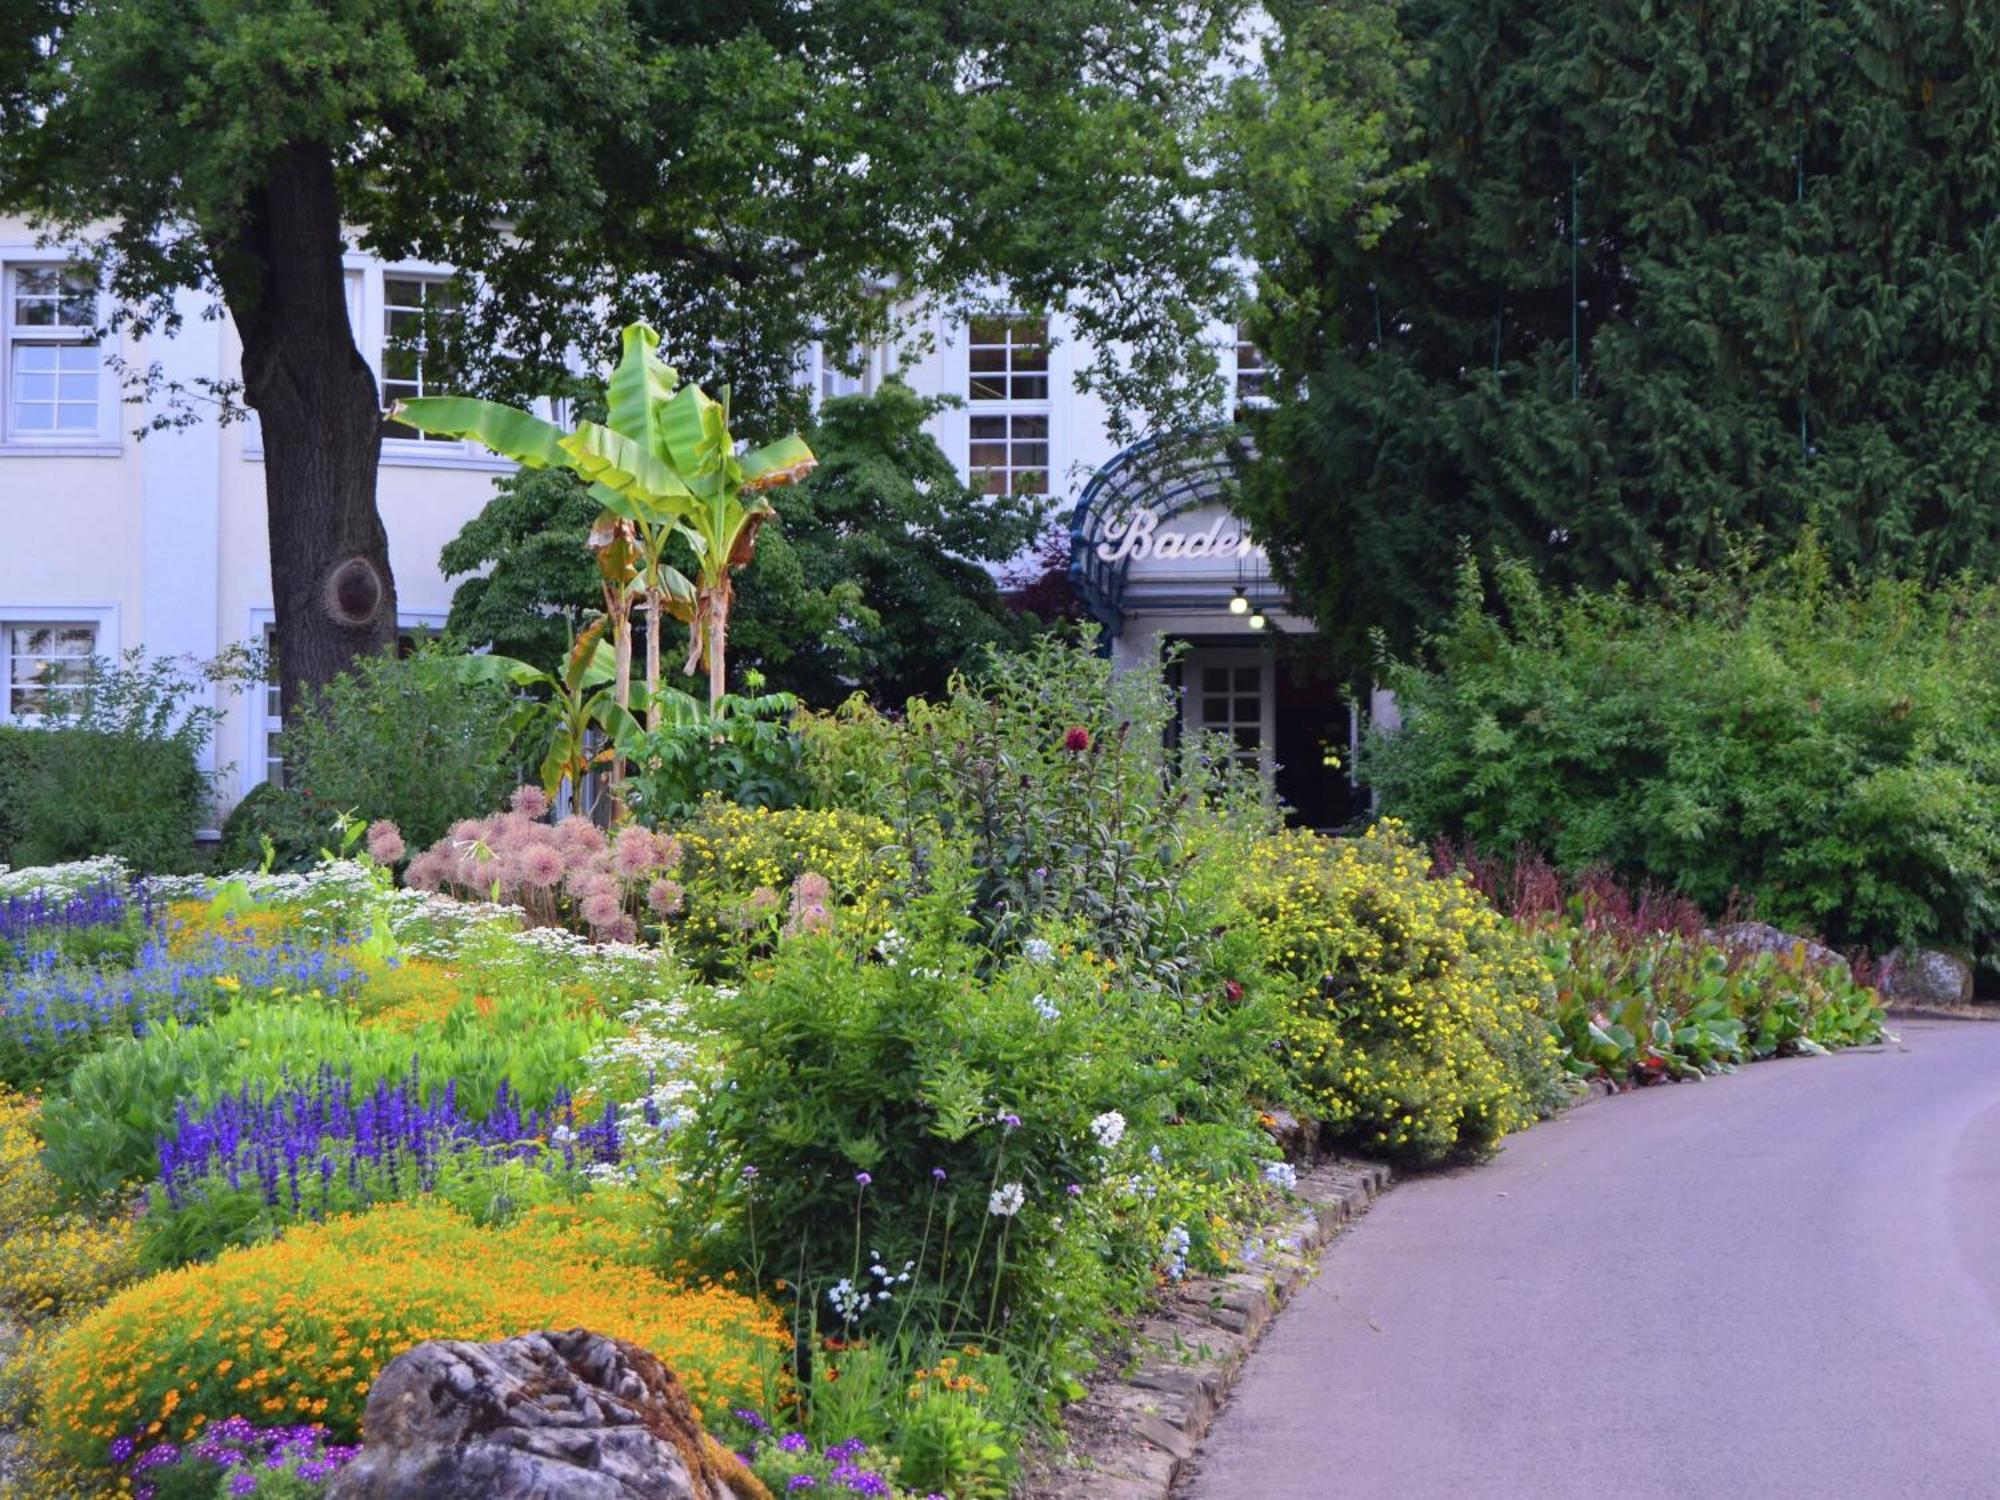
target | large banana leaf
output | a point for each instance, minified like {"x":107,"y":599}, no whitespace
{"x":786,"y":461}
{"x":619,"y":464}
{"x":640,"y":385}
{"x":507,"y":430}
{"x":694,"y":435}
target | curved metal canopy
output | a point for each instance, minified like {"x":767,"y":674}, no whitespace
{"x":1169,"y":474}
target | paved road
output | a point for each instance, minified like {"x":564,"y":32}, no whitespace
{"x":1783,"y":1283}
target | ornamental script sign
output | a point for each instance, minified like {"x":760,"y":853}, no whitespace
{"x":1141,"y":537}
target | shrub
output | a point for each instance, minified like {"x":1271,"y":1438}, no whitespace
{"x":103,"y":1126}
{"x":1415,"y":1022}
{"x":749,"y":874}
{"x":746,"y":753}
{"x":67,"y":794}
{"x":52,"y":1262}
{"x":276,"y":813}
{"x":115,"y":769}
{"x":1829,"y":755}
{"x":408,"y":739}
{"x":1054,"y":771}
{"x":984,"y":1138}
{"x":296,"y":1330}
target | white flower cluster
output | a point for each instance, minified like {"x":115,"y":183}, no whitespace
{"x":63,"y":880}
{"x":1037,"y":951}
{"x":1281,"y":1174}
{"x":1108,"y":1128}
{"x":1046,"y":1008}
{"x":1007,"y":1200}
{"x":851,"y":1301}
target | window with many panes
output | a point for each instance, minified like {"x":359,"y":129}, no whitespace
{"x":1232,"y":705}
{"x":418,"y":316}
{"x":44,"y":662}
{"x":54,"y":368}
{"x":1253,"y":374}
{"x":1007,"y":384}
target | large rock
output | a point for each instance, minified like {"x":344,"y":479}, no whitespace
{"x":546,"y":1416}
{"x":1762,"y":937}
{"x":1925,"y":976}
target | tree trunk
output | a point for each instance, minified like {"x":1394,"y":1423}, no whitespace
{"x":718,"y":640}
{"x":321,"y":413}
{"x":656,"y":609}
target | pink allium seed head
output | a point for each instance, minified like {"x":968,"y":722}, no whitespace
{"x":811,"y":889}
{"x":426,"y":872}
{"x":601,"y":909}
{"x":540,"y":866}
{"x":385,"y":842}
{"x":579,"y":836}
{"x":763,"y":898}
{"x":469,"y":831}
{"x":664,"y":897}
{"x":621,"y":930}
{"x":530,"y":801}
{"x":635,"y":853}
{"x":670,"y":852}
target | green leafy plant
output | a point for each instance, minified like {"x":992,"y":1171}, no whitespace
{"x":1827,"y":755}
{"x":744,"y":751}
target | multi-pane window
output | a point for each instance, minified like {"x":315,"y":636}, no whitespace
{"x":1008,"y":359}
{"x":1009,"y":453}
{"x":53,"y":364}
{"x":274,"y":713}
{"x":1232,"y":705}
{"x":418,"y":314}
{"x":1253,"y":375}
{"x":44,"y":664}
{"x":1007,"y":382}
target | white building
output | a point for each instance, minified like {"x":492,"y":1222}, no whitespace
{"x":110,"y":541}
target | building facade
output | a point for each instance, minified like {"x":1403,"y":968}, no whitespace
{"x":111,"y":541}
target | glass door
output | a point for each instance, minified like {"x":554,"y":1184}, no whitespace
{"x":1228,"y":693}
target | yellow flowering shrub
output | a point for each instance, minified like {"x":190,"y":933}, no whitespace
{"x":1415,"y":1022}
{"x":295,"y":1330}
{"x":745,"y":876}
{"x":52,"y":1262}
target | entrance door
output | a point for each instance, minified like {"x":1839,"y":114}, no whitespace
{"x":1229,"y":694}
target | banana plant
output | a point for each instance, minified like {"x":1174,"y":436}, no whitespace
{"x":663,"y":461}
{"x":585,"y":723}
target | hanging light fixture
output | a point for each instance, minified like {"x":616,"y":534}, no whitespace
{"x":1257,"y":620}
{"x":1239,"y":603}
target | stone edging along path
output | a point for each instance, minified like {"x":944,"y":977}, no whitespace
{"x":1132,"y":1436}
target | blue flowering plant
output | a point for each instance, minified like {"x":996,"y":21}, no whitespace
{"x":233,"y":1459}
{"x":103,"y":923}
{"x":255,"y":1160}
{"x":53,"y":1014}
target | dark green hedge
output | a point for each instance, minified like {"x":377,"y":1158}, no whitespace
{"x":73,"y":793}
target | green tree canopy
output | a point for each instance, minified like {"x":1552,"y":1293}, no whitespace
{"x":746,"y":177}
{"x":876,"y":574}
{"x":1770,"y":227}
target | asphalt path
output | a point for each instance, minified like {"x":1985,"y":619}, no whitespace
{"x":1780,"y":1283}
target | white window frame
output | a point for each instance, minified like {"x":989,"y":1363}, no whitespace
{"x":367,"y":315}
{"x":1009,"y":407}
{"x":1239,"y":370}
{"x":1233,"y":659}
{"x":101,"y":442}
{"x":262,"y":722}
{"x":102,"y":618}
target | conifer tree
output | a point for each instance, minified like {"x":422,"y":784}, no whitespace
{"x":1673,"y":275}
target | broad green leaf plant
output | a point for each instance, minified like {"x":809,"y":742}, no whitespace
{"x":665,"y":465}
